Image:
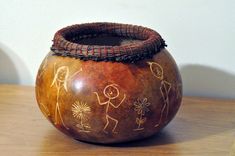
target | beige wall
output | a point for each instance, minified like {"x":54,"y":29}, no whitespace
{"x":200,"y":35}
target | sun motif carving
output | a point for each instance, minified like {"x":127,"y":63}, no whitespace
{"x":80,"y":109}
{"x":81,"y":112}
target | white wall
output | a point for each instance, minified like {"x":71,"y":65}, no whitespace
{"x":200,"y":35}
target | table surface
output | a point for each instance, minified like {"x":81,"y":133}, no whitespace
{"x":201,"y":127}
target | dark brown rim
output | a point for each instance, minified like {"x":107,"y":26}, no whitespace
{"x":151,"y":42}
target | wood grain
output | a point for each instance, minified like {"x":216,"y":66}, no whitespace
{"x":202,"y":127}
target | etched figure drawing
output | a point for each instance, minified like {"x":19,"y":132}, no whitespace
{"x":60,"y":81}
{"x":165,"y":87}
{"x":44,"y":109}
{"x":178,"y":91}
{"x":43,"y":67}
{"x":110,"y":92}
{"x":42,"y":106}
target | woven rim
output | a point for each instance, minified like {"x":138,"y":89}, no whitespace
{"x":65,"y":42}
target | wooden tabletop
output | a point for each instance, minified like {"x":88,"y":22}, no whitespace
{"x":201,"y":127}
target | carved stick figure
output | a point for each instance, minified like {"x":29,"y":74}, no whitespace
{"x":178,"y":91}
{"x":61,"y":77}
{"x":42,"y":106}
{"x":43,"y":67}
{"x":111,"y":92}
{"x":44,"y":109}
{"x":165,"y":88}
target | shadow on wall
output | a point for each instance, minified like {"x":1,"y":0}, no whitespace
{"x":12,"y":69}
{"x":204,"y":81}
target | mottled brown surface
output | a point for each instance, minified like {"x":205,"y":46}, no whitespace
{"x":84,"y":81}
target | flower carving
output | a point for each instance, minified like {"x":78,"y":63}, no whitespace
{"x":141,"y":108}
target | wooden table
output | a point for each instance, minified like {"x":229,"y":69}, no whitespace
{"x":202,"y":127}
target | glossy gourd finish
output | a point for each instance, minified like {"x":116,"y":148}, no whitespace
{"x":90,"y":95}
